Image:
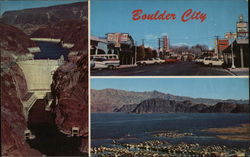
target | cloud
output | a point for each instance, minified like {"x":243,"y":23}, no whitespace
{"x":151,"y":36}
{"x":163,"y":34}
{"x":149,"y":46}
{"x":180,"y":44}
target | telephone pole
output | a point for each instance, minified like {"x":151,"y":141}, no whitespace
{"x":159,"y":47}
{"x":135,"y":53}
{"x":217,"y":45}
{"x":143,"y":42}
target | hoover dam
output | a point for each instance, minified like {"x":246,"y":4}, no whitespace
{"x":38,"y":75}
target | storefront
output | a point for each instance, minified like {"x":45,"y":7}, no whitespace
{"x":240,"y":52}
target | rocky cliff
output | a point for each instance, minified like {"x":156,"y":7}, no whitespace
{"x":70,"y":91}
{"x":108,"y":100}
{"x":13,"y":89}
{"x":224,"y":107}
{"x":30,"y":20}
{"x":13,"y":42}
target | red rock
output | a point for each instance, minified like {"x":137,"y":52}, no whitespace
{"x":70,"y":88}
{"x":13,"y":88}
{"x":14,"y":40}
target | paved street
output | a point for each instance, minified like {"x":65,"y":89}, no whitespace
{"x":170,"y":69}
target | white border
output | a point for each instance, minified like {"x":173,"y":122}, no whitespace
{"x":135,"y":77}
{"x":89,"y":99}
{"x":124,"y":77}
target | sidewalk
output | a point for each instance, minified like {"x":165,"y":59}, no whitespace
{"x":126,"y":66}
{"x":239,"y":71}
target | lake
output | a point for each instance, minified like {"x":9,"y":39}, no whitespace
{"x":50,"y":50}
{"x":128,"y":128}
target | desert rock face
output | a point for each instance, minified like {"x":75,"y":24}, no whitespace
{"x":70,"y":88}
{"x":13,"y":89}
{"x":30,"y":20}
{"x":13,"y":42}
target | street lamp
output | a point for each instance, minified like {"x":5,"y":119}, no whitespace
{"x":135,"y":53}
{"x":231,"y":37}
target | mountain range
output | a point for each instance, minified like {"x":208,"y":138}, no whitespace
{"x":30,"y":20}
{"x":113,"y":100}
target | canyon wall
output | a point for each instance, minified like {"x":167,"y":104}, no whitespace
{"x":13,"y":89}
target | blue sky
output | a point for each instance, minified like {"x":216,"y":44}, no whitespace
{"x":18,"y":5}
{"x":221,"y":88}
{"x":116,"y":16}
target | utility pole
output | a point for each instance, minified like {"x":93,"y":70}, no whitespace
{"x":217,"y":45}
{"x":232,"y":50}
{"x":135,"y":53}
{"x":143,"y":42}
{"x":159,"y":47}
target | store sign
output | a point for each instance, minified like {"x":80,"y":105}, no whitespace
{"x":117,"y":38}
{"x":242,"y":29}
{"x":111,"y":37}
{"x":230,"y":35}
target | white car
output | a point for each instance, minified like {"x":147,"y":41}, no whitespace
{"x":159,"y":61}
{"x":148,"y":61}
{"x":199,"y":60}
{"x":212,"y":61}
{"x":102,"y":63}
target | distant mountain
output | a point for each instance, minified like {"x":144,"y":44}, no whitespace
{"x":30,"y":20}
{"x":110,"y":100}
{"x":157,"y":105}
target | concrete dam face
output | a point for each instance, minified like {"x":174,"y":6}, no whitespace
{"x":38,"y":75}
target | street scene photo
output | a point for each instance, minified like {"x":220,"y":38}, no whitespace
{"x":44,"y":78}
{"x":169,"y":38}
{"x":170,"y":117}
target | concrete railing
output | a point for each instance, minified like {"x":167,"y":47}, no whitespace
{"x":46,"y":39}
{"x":67,"y":45}
{"x":34,"y":49}
{"x":29,"y":102}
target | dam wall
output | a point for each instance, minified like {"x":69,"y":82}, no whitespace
{"x":38,"y":75}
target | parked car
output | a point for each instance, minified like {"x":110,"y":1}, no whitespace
{"x":103,"y":63}
{"x":159,"y":61}
{"x":199,"y":60}
{"x":212,"y":61}
{"x":147,"y":62}
{"x":172,"y":60}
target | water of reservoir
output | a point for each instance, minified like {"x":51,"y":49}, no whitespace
{"x":127,"y":128}
{"x":50,"y":50}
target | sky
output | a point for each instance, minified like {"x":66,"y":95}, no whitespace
{"x":109,"y":16}
{"x":25,"y":4}
{"x":215,"y":88}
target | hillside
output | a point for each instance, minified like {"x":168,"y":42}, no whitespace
{"x":157,"y":105}
{"x":108,"y":100}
